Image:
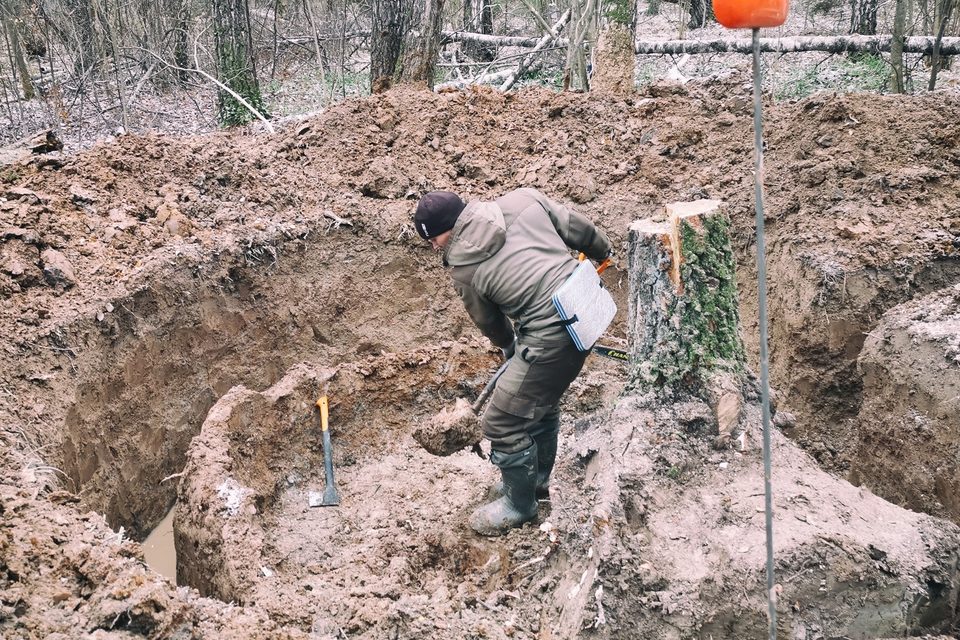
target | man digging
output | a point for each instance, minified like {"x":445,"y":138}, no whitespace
{"x":507,"y":259}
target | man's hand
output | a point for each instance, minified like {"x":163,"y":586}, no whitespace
{"x":509,"y":351}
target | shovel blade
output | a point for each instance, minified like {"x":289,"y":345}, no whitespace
{"x":330,"y":497}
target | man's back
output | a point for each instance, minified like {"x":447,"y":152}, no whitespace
{"x":515,"y":253}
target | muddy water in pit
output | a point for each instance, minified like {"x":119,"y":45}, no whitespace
{"x":159,"y":552}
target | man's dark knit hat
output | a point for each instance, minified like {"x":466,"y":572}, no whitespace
{"x":437,"y":212}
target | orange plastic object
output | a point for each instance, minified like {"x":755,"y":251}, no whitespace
{"x":750,"y":14}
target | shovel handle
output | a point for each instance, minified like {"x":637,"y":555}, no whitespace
{"x":487,"y":390}
{"x":324,"y":412}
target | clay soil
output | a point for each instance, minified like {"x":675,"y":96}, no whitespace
{"x":153,"y":284}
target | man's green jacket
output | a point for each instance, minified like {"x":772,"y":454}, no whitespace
{"x":509,"y":256}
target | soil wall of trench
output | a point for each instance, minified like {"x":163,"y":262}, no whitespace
{"x":820,"y":318}
{"x":909,"y":425}
{"x":860,"y":219}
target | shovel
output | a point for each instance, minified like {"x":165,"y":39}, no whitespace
{"x":451,"y":430}
{"x":330,"y":497}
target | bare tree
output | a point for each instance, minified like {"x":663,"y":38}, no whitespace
{"x":897,"y":81}
{"x":235,"y":61}
{"x":179,"y":12}
{"x":478,"y":18}
{"x":11,"y":26}
{"x":944,"y":9}
{"x":701,"y":12}
{"x":87,"y":41}
{"x":583,"y":22}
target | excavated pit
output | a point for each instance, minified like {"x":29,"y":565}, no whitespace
{"x":154,"y":365}
{"x":166,"y":337}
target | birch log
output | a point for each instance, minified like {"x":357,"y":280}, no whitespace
{"x":500,"y":41}
{"x":527,"y":60}
{"x":828,"y":44}
{"x":831,"y":44}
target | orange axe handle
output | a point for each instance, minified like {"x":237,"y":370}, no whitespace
{"x":603,"y":265}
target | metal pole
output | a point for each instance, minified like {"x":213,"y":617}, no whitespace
{"x":764,"y":355}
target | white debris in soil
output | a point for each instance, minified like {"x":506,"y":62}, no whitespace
{"x":232,"y":495}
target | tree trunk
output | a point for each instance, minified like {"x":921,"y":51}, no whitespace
{"x":81,"y":13}
{"x":701,"y":12}
{"x":235,"y":62}
{"x":181,"y":55}
{"x":897,"y":81}
{"x":486,"y":25}
{"x":317,"y":48}
{"x":421,"y":42}
{"x":386,"y":43}
{"x":583,"y":18}
{"x":12,"y":26}
{"x":468,"y":25}
{"x":945,"y":8}
{"x":614,"y":57}
{"x":683,"y":310}
{"x":863,"y":17}
{"x":479,"y":21}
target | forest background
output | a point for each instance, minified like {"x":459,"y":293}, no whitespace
{"x":90,"y":69}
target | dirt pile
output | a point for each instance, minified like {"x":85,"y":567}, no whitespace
{"x":146,"y":278}
{"x":679,"y":550}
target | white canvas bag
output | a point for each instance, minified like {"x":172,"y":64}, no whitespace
{"x":585,"y":307}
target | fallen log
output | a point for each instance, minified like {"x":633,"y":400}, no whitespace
{"x":828,"y":44}
{"x":493,"y":77}
{"x":500,"y":41}
{"x":543,"y":42}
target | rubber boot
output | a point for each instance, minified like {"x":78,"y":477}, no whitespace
{"x":546,"y":442}
{"x":546,"y":456}
{"x":519,"y":502}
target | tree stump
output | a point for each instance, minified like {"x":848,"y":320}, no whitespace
{"x":683,"y":309}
